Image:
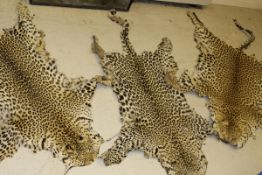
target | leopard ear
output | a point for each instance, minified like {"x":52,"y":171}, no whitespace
{"x":165,"y":45}
{"x":79,"y":139}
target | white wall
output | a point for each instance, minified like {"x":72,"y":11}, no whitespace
{"x":257,"y":4}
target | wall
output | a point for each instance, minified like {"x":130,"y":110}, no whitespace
{"x":257,"y":4}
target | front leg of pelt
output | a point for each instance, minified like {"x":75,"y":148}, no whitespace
{"x":103,"y":80}
{"x":183,"y":84}
{"x":119,"y":150}
{"x":113,"y":156}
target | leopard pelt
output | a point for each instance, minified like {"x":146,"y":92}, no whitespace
{"x":41,"y":108}
{"x":231,"y":80}
{"x":156,"y":117}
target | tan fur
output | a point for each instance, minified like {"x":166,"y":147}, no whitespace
{"x":156,"y":117}
{"x":231,"y":80}
{"x":40,"y":108}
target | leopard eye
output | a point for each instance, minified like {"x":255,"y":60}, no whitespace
{"x":68,"y":147}
{"x":80,"y":138}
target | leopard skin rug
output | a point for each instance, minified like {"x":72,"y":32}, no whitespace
{"x":156,"y":117}
{"x":40,"y":108}
{"x":231,"y":80}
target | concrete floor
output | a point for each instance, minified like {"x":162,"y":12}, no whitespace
{"x":68,"y":39}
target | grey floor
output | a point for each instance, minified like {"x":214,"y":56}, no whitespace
{"x":68,"y":39}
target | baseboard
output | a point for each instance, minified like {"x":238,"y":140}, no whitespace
{"x":256,"y":4}
{"x":196,"y":2}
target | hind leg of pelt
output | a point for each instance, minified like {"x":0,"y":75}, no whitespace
{"x":97,"y":49}
{"x":8,"y":141}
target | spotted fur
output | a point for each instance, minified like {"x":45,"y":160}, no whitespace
{"x":232,"y":81}
{"x":156,"y":117}
{"x":41,"y":108}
